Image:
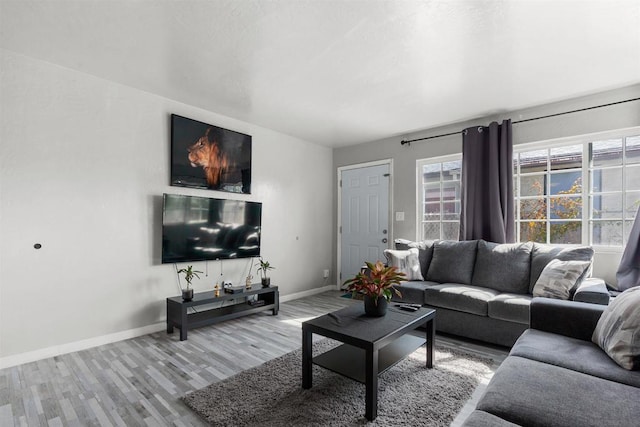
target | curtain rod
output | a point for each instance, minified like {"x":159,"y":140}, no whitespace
{"x":409,"y":141}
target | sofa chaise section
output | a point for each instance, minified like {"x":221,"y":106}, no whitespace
{"x":555,"y":375}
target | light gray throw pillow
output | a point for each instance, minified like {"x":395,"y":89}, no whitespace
{"x":559,"y":278}
{"x":405,"y":261}
{"x":618,"y":330}
{"x":542,"y":254}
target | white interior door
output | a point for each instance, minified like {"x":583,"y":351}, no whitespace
{"x":364,"y":217}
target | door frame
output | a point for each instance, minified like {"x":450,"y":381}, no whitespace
{"x":341,"y":169}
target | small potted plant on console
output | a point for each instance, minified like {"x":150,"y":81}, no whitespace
{"x":189,"y":274}
{"x":376,"y":284}
{"x":262,"y":270}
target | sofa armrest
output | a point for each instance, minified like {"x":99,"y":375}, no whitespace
{"x":569,"y":318}
{"x":592,"y":290}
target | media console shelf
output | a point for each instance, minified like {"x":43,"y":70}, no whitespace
{"x":179,"y":317}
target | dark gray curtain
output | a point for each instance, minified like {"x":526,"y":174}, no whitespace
{"x":628,"y":274}
{"x":487,"y":206}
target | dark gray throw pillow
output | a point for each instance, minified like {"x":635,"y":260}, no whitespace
{"x":453,"y":261}
{"x":543,"y":254}
{"x":503,"y":267}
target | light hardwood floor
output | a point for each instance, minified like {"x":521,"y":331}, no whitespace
{"x":139,"y":382}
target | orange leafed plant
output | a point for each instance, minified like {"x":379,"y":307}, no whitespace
{"x":377,"y":281}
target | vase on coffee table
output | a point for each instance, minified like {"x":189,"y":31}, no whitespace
{"x":371,"y":308}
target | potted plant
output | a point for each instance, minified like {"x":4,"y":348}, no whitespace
{"x":262,"y":270}
{"x":189,"y":274}
{"x":376,"y":283}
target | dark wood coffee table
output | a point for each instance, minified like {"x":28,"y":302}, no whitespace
{"x":371,"y":345}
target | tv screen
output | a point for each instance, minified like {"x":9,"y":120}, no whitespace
{"x":202,"y":228}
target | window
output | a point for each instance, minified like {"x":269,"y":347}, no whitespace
{"x":439,"y":206}
{"x":615,"y":189}
{"x":582,"y":190}
{"x":548,"y":194}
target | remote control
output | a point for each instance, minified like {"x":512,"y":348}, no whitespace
{"x":408,"y":308}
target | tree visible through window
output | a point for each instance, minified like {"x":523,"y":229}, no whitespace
{"x":549,"y":194}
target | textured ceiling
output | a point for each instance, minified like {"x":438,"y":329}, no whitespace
{"x":339,"y":72}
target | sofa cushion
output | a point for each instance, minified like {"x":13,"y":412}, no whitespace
{"x":532,"y":393}
{"x":542,"y":254}
{"x":406,"y":262}
{"x":485,"y":419}
{"x":592,"y":290}
{"x":510,"y":307}
{"x":453,"y":261}
{"x":504,"y":267}
{"x":413,"y":292}
{"x":572,"y":353}
{"x":618,"y":330}
{"x":559,"y":279}
{"x":470,"y":299}
{"x":402,"y":244}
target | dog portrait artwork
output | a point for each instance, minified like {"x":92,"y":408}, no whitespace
{"x":207,"y":156}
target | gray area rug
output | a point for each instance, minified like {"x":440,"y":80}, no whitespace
{"x":408,"y":394}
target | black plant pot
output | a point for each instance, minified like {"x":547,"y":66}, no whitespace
{"x":187,"y":294}
{"x":266,"y":282}
{"x":373,"y":309}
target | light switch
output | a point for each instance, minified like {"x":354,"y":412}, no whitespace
{"x":399,"y":216}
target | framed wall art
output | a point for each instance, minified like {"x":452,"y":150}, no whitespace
{"x":208,"y":156}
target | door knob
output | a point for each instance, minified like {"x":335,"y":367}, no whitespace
{"x":384,"y":231}
{"x":384,"y":240}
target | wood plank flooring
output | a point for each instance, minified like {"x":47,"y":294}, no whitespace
{"x":139,"y":382}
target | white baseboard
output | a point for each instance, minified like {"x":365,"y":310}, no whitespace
{"x":310,"y":292}
{"x":56,"y":350}
{"x":32,"y":356}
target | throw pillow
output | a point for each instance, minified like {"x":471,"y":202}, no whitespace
{"x":425,"y":254}
{"x":406,"y":262}
{"x":503,"y":267}
{"x":453,"y":261}
{"x":559,"y":278}
{"x":542,"y":254}
{"x":618,"y":330}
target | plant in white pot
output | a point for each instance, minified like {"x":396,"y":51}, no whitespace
{"x":263,"y":268}
{"x":189,"y":274}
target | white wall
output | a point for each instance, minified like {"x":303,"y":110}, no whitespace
{"x":404,"y":157}
{"x":83,"y":166}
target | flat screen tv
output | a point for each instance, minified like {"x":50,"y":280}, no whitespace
{"x":202,"y":228}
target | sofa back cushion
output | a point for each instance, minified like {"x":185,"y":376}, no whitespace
{"x":425,"y":252}
{"x":504,"y":267}
{"x":453,"y":261}
{"x":542,"y":254}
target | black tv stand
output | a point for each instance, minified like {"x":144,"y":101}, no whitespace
{"x":179,"y":317}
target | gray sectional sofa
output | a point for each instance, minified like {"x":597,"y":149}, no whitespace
{"x":555,"y":376}
{"x":483,"y":290}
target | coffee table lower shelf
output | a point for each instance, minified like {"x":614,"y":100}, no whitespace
{"x":349,"y":361}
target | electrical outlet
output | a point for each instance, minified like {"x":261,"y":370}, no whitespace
{"x":325,"y":274}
